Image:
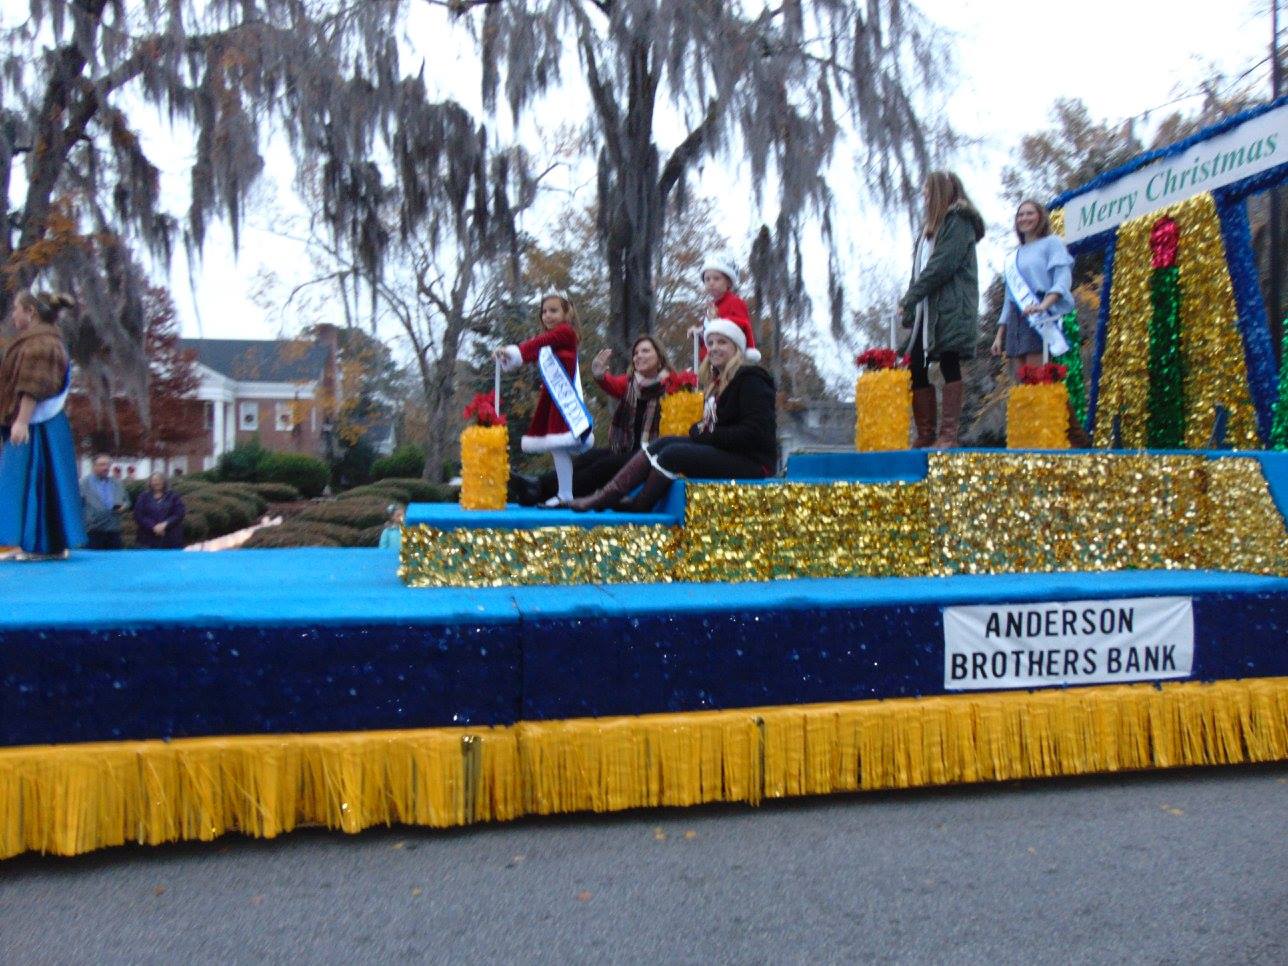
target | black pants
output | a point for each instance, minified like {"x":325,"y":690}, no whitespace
{"x":103,"y":540}
{"x":591,"y":470}
{"x":950,"y":366}
{"x":678,"y":454}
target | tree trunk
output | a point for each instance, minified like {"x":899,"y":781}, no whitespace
{"x":632,"y":226}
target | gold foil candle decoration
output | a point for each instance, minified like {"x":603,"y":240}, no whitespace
{"x":485,"y":457}
{"x":1037,"y":410}
{"x":882,"y":402}
{"x":681,"y":406}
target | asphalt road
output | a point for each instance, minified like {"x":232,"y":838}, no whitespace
{"x":1166,"y":867}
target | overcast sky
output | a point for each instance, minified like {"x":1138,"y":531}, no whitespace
{"x":1014,"y":59}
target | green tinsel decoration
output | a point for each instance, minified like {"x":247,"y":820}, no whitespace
{"x":1072,"y":360}
{"x":1165,"y":428}
{"x":1279,"y":429}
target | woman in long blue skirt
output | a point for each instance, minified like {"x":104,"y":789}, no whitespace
{"x":40,"y":505}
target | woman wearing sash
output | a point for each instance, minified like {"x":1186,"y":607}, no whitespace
{"x":941,"y":306}
{"x":1039,"y":276}
{"x":40,"y":504}
{"x":561,"y":423}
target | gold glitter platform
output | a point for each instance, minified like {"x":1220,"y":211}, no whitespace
{"x":972,"y":513}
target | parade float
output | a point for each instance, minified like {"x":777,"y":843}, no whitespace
{"x":870,"y":620}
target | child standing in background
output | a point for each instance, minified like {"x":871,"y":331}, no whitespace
{"x":720,"y":278}
{"x":561,"y":423}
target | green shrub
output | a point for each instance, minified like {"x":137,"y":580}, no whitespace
{"x":195,"y":527}
{"x":205,"y":476}
{"x":353,"y":468}
{"x":403,"y":491}
{"x":215,"y":513}
{"x":291,"y":535}
{"x":243,"y":462}
{"x":134,"y":487}
{"x":308,"y":474}
{"x":189,"y":484}
{"x":277,"y":492}
{"x":407,"y":460}
{"x":356,"y":513}
{"x":243,"y":493}
{"x":370,"y":537}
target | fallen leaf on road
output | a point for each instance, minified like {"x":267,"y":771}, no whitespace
{"x":159,"y":890}
{"x":398,"y":845}
{"x":416,"y":891}
{"x":1170,"y":810}
{"x":583,"y":896}
{"x":1031,"y":850}
{"x":256,"y":900}
{"x":690,"y":835}
{"x":514,"y":860}
{"x":659,"y":835}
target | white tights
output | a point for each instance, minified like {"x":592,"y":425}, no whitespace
{"x":563,"y":473}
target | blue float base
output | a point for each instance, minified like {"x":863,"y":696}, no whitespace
{"x":110,"y":646}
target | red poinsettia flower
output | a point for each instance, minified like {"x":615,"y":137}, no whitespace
{"x":483,"y":411}
{"x":879,"y":359}
{"x":1041,"y":375}
{"x":680,"y":382}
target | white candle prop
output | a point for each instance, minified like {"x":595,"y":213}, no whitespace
{"x":496,"y":387}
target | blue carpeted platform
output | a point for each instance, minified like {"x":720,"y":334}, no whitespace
{"x":164,"y":644}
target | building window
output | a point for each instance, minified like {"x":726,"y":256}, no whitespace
{"x":208,"y":416}
{"x":248,"y":416}
{"x":285,"y":417}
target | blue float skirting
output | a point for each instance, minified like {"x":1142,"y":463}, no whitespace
{"x":171,"y":644}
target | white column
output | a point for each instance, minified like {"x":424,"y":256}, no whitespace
{"x":217,"y":430}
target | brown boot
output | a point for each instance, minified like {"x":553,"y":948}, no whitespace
{"x":651,"y":493}
{"x":923,"y":416}
{"x":615,"y":490}
{"x":950,"y":415}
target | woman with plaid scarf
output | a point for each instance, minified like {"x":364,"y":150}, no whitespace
{"x":635,"y":421}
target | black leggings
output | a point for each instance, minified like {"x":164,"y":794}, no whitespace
{"x":591,"y":470}
{"x":679,"y":455}
{"x":950,"y":365}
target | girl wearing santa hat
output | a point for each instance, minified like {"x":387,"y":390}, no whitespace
{"x":561,"y":424}
{"x":735,"y":439}
{"x":720,"y":278}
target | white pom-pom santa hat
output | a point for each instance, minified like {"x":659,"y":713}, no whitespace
{"x":735,"y":333}
{"x":720,"y":263}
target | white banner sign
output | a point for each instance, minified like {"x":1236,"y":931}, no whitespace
{"x":1067,"y":642}
{"x":1236,"y":154}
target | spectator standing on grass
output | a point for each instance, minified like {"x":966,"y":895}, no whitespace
{"x":159,"y":513}
{"x":103,"y":496}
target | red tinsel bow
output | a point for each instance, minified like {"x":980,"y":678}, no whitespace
{"x":680,"y":382}
{"x":483,"y":412}
{"x":1041,"y":375}
{"x":1163,"y":242}
{"x":879,"y":359}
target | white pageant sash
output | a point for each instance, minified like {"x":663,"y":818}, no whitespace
{"x":565,"y":392}
{"x":47,"y":409}
{"x":1046,"y":324}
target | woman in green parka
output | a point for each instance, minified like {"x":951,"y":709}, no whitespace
{"x":941,"y":306}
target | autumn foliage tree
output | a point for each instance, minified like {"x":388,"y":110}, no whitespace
{"x":173,"y":418}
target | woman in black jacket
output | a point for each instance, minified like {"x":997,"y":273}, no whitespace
{"x":736,"y":438}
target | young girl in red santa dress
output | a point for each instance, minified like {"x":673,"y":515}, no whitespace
{"x":561,"y":423}
{"x":720,"y":278}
